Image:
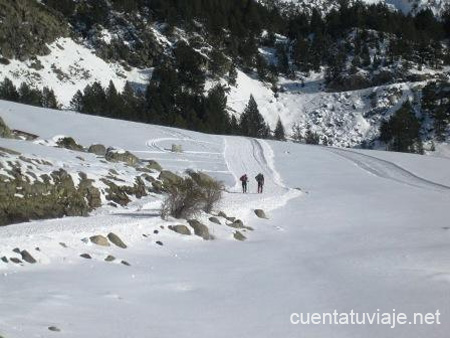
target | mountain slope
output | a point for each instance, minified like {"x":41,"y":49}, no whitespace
{"x":363,"y":237}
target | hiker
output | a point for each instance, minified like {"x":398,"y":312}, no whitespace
{"x":244,"y":180}
{"x":260,"y":179}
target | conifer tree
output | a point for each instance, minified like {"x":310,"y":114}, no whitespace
{"x":252,"y":123}
{"x":279,"y":131}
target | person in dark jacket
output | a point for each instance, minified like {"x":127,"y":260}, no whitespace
{"x":260,"y":179}
{"x":244,"y":180}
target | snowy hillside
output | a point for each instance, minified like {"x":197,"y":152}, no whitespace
{"x":346,"y":230}
{"x":407,"y":6}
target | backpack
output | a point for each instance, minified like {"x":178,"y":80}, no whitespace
{"x":259,"y":178}
{"x":243,"y":178}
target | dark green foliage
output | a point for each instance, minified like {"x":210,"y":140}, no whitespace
{"x":217,"y":120}
{"x":252,"y":123}
{"x":311,"y":137}
{"x":402,"y":132}
{"x":28,"y":95}
{"x":436,"y":103}
{"x":279,"y":131}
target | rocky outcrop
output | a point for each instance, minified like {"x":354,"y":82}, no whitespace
{"x":69,"y":143}
{"x":169,"y":178}
{"x":26,"y":256}
{"x":214,"y":220}
{"x":5,"y":132}
{"x":114,"y":155}
{"x":200,"y":229}
{"x":97,"y":149}
{"x":154,"y":165}
{"x":51,"y":196}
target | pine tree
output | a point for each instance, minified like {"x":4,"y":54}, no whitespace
{"x":232,"y":75}
{"x":252,"y":123}
{"x":77,"y":102}
{"x":279,"y":131}
{"x":8,"y":91}
{"x":216,"y":117}
{"x":29,"y":95}
{"x":49,"y":99}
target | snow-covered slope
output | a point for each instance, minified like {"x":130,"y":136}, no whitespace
{"x":407,"y":6}
{"x":369,"y":232}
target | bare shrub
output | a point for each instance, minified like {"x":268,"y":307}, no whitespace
{"x":191,"y":196}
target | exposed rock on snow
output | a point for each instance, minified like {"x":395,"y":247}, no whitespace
{"x":200,"y":229}
{"x":169,"y":178}
{"x":181,"y":229}
{"x":5,"y":132}
{"x":116,"y":240}
{"x":110,"y":258}
{"x":239,"y":236}
{"x":26,"y":256}
{"x":114,"y":155}
{"x":152,"y":164}
{"x":214,"y":220}
{"x":99,"y":240}
{"x":97,"y":149}
{"x":260,"y":213}
{"x":86,"y":256}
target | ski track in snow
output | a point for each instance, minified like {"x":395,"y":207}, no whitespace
{"x":388,"y":170}
{"x":252,"y":156}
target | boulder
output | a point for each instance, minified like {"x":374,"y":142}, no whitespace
{"x":181,"y":229}
{"x":159,"y":243}
{"x":114,"y":155}
{"x":69,"y":143}
{"x":110,"y":258}
{"x":231,"y":219}
{"x":15,"y":260}
{"x":116,"y":240}
{"x":200,"y":229}
{"x":222,"y":214}
{"x":97,"y":149}
{"x":125,"y":263}
{"x":99,"y":240}
{"x":214,"y":220}
{"x":54,"y":329}
{"x":4,"y":259}
{"x":86,"y":256}
{"x":154,"y":165}
{"x":5,"y":132}
{"x":26,"y":256}
{"x":169,"y":178}
{"x":239,"y":236}
{"x":260,"y":213}
{"x":238,"y":224}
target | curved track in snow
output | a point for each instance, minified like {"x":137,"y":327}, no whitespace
{"x":388,"y":170}
{"x":252,"y":156}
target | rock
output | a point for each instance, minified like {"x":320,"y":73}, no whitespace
{"x":64,"y":245}
{"x":54,"y":329}
{"x":27,"y":257}
{"x":200,"y":229}
{"x":4,"y":259}
{"x":99,"y":240}
{"x":15,"y":260}
{"x":154,"y":165}
{"x":110,"y":258}
{"x":116,"y":240}
{"x":239,"y":236}
{"x":114,"y":155}
{"x":238,"y":224}
{"x":125,"y":263}
{"x":5,"y":132}
{"x":214,"y":220}
{"x":156,"y":232}
{"x":16,"y":250}
{"x":222,"y":214}
{"x":169,"y":178}
{"x":86,"y":256}
{"x":69,"y":143}
{"x":159,"y":243}
{"x":260,"y":213}
{"x":97,"y":149}
{"x":200,"y":177}
{"x":231,"y":219}
{"x":181,"y":229}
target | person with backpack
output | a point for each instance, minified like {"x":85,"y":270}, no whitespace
{"x":244,"y":180}
{"x":260,"y":179}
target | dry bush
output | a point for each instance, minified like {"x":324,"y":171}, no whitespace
{"x":191,"y":196}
